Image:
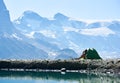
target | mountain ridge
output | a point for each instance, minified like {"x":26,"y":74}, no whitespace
{"x":78,"y":35}
{"x":32,"y":36}
{"x":12,"y":44}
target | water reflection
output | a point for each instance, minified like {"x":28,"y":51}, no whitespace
{"x":55,"y":77}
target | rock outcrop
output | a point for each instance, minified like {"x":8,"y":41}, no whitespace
{"x":90,"y":54}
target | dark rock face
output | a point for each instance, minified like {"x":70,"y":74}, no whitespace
{"x":90,"y":54}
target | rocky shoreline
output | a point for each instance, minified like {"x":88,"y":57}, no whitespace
{"x":82,"y":66}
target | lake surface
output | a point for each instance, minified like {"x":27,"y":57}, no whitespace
{"x":54,"y":77}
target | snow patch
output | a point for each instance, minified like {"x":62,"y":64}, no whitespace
{"x":33,"y":23}
{"x":66,"y":29}
{"x":15,"y":36}
{"x":28,"y":25}
{"x":102,"y":31}
{"x":6,"y":35}
{"x":30,"y":35}
{"x":89,"y":21}
{"x":48,"y":33}
{"x":17,"y":22}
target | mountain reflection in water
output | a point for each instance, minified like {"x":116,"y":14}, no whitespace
{"x":55,"y":77}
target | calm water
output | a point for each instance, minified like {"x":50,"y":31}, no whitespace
{"x":54,"y":77}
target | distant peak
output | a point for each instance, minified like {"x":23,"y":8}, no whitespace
{"x":60,"y":16}
{"x":29,"y":12}
{"x":2,"y":5}
{"x":32,"y":15}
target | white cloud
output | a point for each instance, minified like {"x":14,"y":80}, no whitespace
{"x":102,"y":31}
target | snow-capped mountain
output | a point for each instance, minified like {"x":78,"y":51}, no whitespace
{"x":63,"y":32}
{"x":32,"y":36}
{"x":12,"y":44}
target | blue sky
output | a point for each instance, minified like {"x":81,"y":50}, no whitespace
{"x":76,"y":9}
